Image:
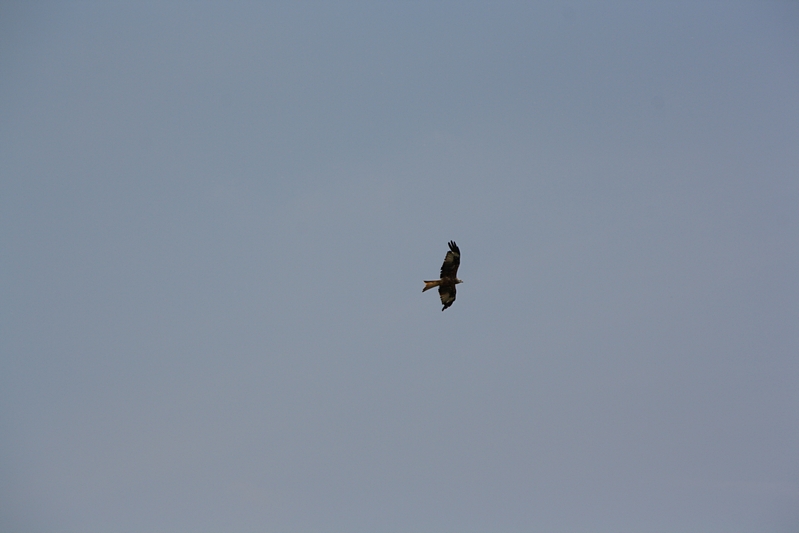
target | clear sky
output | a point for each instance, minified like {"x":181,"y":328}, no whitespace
{"x":215,"y":220}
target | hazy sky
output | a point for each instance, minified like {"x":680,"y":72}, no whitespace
{"x":215,"y":220}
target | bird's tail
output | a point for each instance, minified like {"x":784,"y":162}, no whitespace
{"x":431,"y":284}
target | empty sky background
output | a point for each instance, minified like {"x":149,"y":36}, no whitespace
{"x":216,"y":219}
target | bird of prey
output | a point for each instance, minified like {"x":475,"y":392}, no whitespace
{"x":449,"y":276}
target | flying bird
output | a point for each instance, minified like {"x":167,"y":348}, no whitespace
{"x":449,"y":276}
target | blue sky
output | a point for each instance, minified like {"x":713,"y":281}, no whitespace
{"x":215,"y":220}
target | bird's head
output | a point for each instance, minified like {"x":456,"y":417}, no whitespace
{"x":458,"y":280}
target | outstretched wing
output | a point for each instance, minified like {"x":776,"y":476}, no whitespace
{"x":447,"y":293}
{"x":451,"y":263}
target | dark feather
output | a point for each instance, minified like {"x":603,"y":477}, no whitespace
{"x":447,"y":293}
{"x":451,"y":262}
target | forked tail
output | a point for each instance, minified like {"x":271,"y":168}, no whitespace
{"x":431,"y":284}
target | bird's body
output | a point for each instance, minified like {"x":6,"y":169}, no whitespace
{"x":449,"y":276}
